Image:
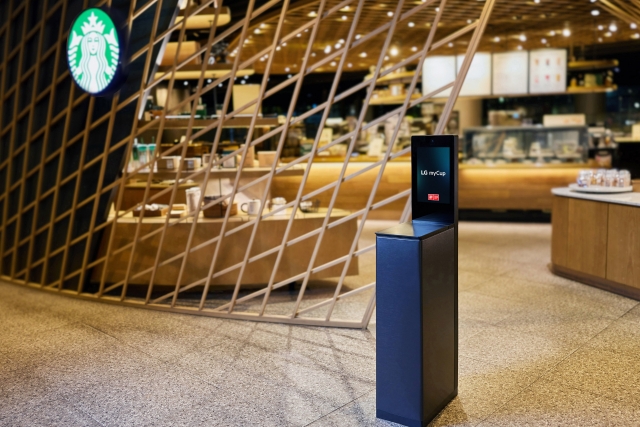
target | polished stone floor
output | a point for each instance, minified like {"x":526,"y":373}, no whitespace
{"x":535,"y":350}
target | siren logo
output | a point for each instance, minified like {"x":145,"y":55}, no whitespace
{"x":93,"y":50}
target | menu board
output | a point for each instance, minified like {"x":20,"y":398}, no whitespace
{"x":510,"y":73}
{"x":478,"y":80}
{"x":547,"y":71}
{"x":438,"y":71}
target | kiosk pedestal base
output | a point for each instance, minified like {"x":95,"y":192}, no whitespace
{"x":416,"y":321}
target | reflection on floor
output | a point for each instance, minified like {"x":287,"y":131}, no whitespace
{"x":535,"y":349}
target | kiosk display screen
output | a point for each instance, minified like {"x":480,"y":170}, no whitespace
{"x":434,"y":170}
{"x":434,"y":175}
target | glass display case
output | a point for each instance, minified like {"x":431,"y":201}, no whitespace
{"x":525,"y":144}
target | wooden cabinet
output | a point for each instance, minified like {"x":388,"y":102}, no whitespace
{"x":623,"y":245}
{"x":597,"y":243}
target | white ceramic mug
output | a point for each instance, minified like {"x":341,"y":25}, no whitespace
{"x":253,"y":207}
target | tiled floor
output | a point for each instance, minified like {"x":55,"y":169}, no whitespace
{"x":535,"y":349}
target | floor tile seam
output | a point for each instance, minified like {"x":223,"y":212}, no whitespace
{"x":165,"y":363}
{"x":49,"y":330}
{"x":339,"y":408}
{"x":80,"y":411}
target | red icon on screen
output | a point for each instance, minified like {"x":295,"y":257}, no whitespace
{"x":433,"y":197}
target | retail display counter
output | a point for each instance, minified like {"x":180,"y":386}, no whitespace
{"x":596,"y":239}
{"x":337,"y":242}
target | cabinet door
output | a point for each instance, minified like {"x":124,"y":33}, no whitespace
{"x":587,"y":237}
{"x":560,"y":231}
{"x":623,"y":245}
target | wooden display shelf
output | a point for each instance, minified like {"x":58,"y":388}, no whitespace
{"x":336,"y":243}
{"x":235,"y":122}
{"x":223,"y":173}
{"x":392,"y":100}
{"x":592,"y":65}
{"x":598,"y":89}
{"x":403,"y":77}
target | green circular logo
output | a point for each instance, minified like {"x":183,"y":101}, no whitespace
{"x":93,"y":50}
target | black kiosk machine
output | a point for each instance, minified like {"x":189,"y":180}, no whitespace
{"x":417,"y":292}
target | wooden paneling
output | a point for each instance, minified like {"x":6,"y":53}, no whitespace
{"x":623,"y":245}
{"x":511,"y":188}
{"x":587,"y":237}
{"x":560,"y":231}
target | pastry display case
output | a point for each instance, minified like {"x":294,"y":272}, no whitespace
{"x":525,"y":145}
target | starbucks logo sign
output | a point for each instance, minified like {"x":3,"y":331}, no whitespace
{"x":94,"y":51}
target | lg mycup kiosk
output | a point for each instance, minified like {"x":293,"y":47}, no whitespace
{"x":417,"y":292}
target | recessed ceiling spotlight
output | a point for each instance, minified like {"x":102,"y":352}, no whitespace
{"x":344,"y":17}
{"x":522,"y":38}
{"x":536,"y":1}
{"x":327,"y":49}
{"x":363,"y":54}
{"x":209,"y":81}
{"x":635,"y":36}
{"x":394,"y":51}
{"x":437,"y":9}
{"x":332,"y":63}
{"x":386,"y":57}
{"x":257,"y":31}
{"x":595,"y":12}
{"x":608,"y":34}
{"x":566,"y":32}
{"x":186,"y":83}
{"x":338,"y":46}
{"x":289,"y":76}
{"x":633,"y":25}
{"x":287,"y":69}
{"x":600,"y":39}
{"x":312,"y":14}
{"x":593,"y":1}
{"x":389,"y":14}
{"x":450,"y":44}
{"x":220,"y":85}
{"x":358,"y":36}
{"x":411,"y":24}
{"x":278,"y":47}
{"x":341,"y":41}
{"x":544,"y":41}
{"x":349,"y":65}
{"x":414,"y":49}
{"x":519,"y":47}
{"x":600,"y":27}
{"x":613,"y":28}
{"x":469,"y":21}
{"x":284,"y":44}
{"x":243,"y":82}
{"x":263,"y":25}
{"x":299,"y":35}
{"x":496,"y":39}
{"x":313,"y":54}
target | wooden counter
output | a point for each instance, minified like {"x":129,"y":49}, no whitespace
{"x":336,"y":243}
{"x":596,"y":240}
{"x":499,"y":187}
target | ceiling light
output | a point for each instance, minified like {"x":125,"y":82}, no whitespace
{"x":289,"y":76}
{"x":601,"y":27}
{"x":287,"y":69}
{"x":327,"y":49}
{"x":345,"y":9}
{"x":389,"y":14}
{"x":220,"y":85}
{"x":313,"y":54}
{"x":312,"y":14}
{"x":536,"y":1}
{"x":411,"y":24}
{"x":469,"y":21}
{"x":566,"y":32}
{"x":595,"y":12}
{"x":358,"y":36}
{"x":414,"y":49}
{"x":450,"y":44}
{"x":257,"y":31}
{"x":544,"y":41}
{"x":363,"y":55}
{"x":496,"y":39}
{"x":186,"y":83}
{"x":552,"y":33}
{"x":299,"y":35}
{"x":338,"y":46}
{"x":349,"y":65}
{"x":519,"y":47}
{"x":243,"y":82}
{"x":635,"y":36}
{"x":278,"y":48}
{"x":593,"y":1}
{"x":332,"y":63}
{"x":386,"y":57}
{"x":344,"y":17}
{"x":607,"y":34}
{"x":600,"y":39}
{"x":284,"y":44}
{"x":613,"y":28}
{"x":341,"y":41}
{"x":522,"y":38}
{"x":437,"y":9}
{"x":209,"y":81}
{"x":394,"y":51}
{"x":633,"y":25}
